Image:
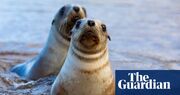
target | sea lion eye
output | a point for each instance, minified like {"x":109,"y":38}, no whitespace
{"x":103,"y":27}
{"x":78,"y":24}
{"x":62,"y":10}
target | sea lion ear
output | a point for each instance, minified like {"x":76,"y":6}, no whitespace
{"x":52,"y":22}
{"x":109,"y":37}
{"x":85,"y":13}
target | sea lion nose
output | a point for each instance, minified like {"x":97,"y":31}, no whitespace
{"x":91,"y":23}
{"x":76,"y":9}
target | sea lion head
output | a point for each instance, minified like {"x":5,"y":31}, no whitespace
{"x":89,"y":35}
{"x":67,"y":17}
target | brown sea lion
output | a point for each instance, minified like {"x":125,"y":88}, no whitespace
{"x":51,"y":58}
{"x":87,"y":69}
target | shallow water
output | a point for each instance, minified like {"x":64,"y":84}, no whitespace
{"x":145,"y":33}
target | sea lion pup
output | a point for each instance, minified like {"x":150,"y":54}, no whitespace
{"x":51,"y":58}
{"x":86,"y":70}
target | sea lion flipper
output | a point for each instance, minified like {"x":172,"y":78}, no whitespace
{"x":19,"y":69}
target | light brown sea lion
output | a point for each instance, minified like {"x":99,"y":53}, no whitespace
{"x":87,"y":69}
{"x":51,"y":58}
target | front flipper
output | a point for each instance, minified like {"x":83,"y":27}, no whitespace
{"x":19,"y":69}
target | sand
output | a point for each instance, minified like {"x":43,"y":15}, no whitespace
{"x":11,"y":83}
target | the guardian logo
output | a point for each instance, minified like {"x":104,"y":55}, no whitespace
{"x":138,"y":81}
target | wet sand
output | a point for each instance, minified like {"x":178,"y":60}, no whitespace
{"x":12,"y":84}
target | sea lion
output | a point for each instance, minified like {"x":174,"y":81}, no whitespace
{"x":87,"y":69}
{"x":51,"y":58}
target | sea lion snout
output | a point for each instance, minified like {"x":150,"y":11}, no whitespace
{"x":76,"y":9}
{"x":70,"y":14}
{"x":89,"y":39}
{"x":91,"y":23}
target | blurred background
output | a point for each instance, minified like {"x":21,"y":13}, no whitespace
{"x":145,"y":33}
